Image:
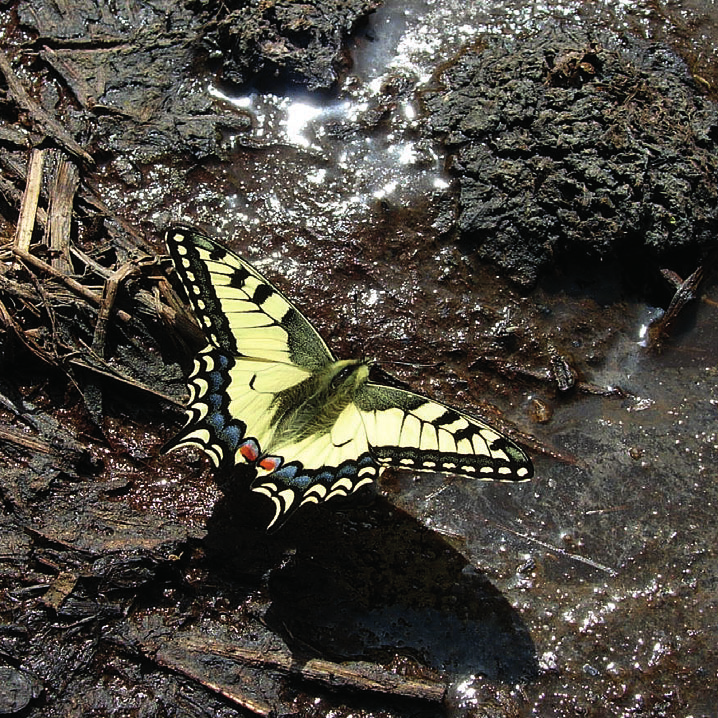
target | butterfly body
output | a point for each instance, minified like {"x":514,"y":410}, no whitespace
{"x":266,"y":391}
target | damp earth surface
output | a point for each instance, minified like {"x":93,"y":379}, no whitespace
{"x":498,"y":204}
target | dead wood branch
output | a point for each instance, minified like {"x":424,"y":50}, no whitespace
{"x":361,"y":676}
{"x":71,"y":283}
{"x":686,"y":292}
{"x":109,"y":295}
{"x":231,"y":693}
{"x":19,"y":438}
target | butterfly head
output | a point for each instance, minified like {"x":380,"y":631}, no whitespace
{"x":346,"y":375}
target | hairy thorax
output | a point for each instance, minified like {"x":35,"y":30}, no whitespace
{"x":313,"y":406}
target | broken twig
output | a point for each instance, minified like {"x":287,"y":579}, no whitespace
{"x":30,"y":197}
{"x":363,"y":676}
{"x":109,"y":295}
{"x":71,"y":283}
{"x":686,"y":292}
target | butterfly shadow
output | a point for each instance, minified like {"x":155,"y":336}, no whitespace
{"x":373,"y":584}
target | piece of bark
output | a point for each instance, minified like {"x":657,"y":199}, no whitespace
{"x":62,"y":194}
{"x":70,"y":76}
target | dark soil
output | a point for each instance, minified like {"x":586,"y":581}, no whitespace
{"x":129,"y":584}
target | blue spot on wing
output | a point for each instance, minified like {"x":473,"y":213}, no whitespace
{"x":210,"y":411}
{"x":223,"y":361}
{"x":290,"y":475}
{"x":216,"y":380}
{"x":286,"y":473}
{"x":347,"y":471}
{"x":216,"y":421}
{"x":232,"y":435}
{"x":214,"y":402}
{"x":295,"y":476}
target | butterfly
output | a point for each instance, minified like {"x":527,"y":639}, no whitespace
{"x":267,"y":392}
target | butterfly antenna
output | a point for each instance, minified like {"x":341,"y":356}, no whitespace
{"x":416,"y":365}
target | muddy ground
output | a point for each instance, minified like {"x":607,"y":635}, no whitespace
{"x":525,"y":225}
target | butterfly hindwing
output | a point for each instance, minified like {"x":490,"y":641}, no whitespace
{"x":320,"y":432}
{"x":326,"y":465}
{"x":409,"y":431}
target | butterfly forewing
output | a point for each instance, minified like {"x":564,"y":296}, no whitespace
{"x":239,"y":310}
{"x":407,"y":430}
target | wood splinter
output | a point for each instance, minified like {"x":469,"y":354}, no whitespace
{"x":109,"y":296}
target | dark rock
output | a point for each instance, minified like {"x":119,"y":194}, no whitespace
{"x":567,"y":146}
{"x":280,"y":41}
{"x":17,"y":689}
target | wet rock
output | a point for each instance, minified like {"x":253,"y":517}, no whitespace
{"x":17,"y":689}
{"x":128,"y":74}
{"x":280,"y":41}
{"x":573,"y":146}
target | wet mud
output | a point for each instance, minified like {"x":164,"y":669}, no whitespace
{"x":523,"y":227}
